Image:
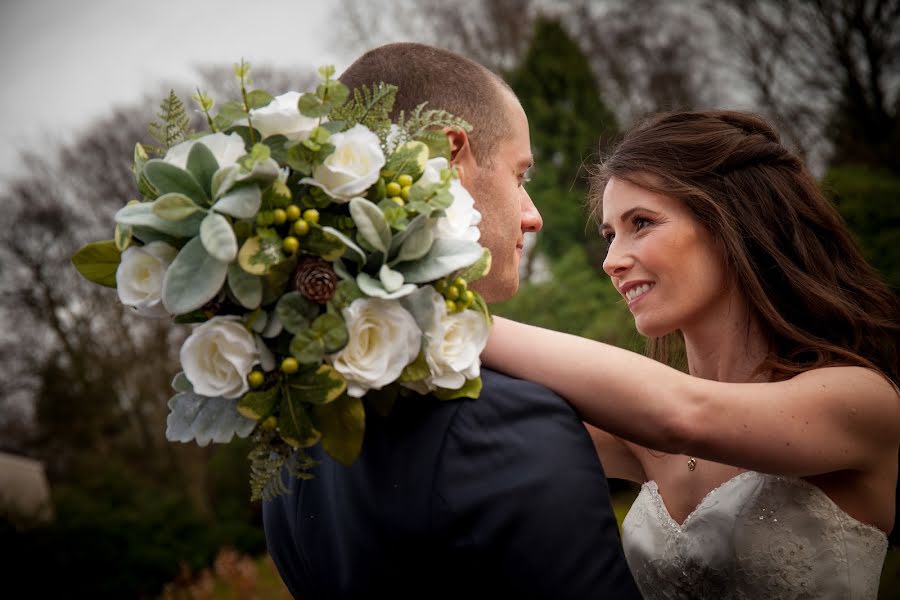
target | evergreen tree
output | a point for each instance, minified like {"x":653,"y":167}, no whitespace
{"x":569,"y":123}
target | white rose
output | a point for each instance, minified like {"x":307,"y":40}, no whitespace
{"x":354,"y":165}
{"x":140,"y":274}
{"x":461,"y":219}
{"x":218,"y":356}
{"x":226,"y":148}
{"x":281,"y":116}
{"x":453,"y":345}
{"x":384,"y":338}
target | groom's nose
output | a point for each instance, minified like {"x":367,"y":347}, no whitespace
{"x":531,"y":217}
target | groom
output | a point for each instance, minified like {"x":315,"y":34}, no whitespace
{"x":499,"y":497}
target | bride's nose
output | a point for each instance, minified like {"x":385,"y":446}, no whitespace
{"x":617,"y":260}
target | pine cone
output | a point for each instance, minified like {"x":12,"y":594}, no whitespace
{"x":315,"y":279}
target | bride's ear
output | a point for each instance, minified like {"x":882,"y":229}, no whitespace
{"x":461,"y":155}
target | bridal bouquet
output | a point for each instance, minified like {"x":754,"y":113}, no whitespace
{"x":321,"y":254}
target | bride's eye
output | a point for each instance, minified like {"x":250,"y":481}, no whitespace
{"x":608,"y":236}
{"x":641,"y":223}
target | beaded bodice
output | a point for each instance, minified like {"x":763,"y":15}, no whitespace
{"x":755,"y":536}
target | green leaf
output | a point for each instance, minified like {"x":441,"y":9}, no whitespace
{"x":218,"y":237}
{"x":333,"y":331}
{"x":174,"y":206}
{"x":198,"y":418}
{"x":417,"y":370}
{"x":294,"y":424}
{"x":470,"y":389}
{"x":346,"y":292}
{"x":202,"y":164}
{"x":371,"y":224}
{"x":390,"y":279}
{"x":312,"y":106}
{"x":322,"y":243}
{"x":181,"y":383}
{"x":296,"y":312}
{"x":142,"y":215}
{"x":258,"y":99}
{"x":417,"y":243}
{"x":343,"y":426}
{"x":242,"y":201}
{"x":437,"y":142}
{"x":247,"y":288}
{"x":224,"y":180}
{"x":193,"y":279}
{"x":167,"y":178}
{"x":482,"y":307}
{"x":98,"y":262}
{"x":147,"y":235}
{"x":277,"y":279}
{"x":260,"y":253}
{"x":308,"y":347}
{"x":123,"y":236}
{"x":374,"y":288}
{"x":229,"y":112}
{"x":260,"y":404}
{"x":445,"y":257}
{"x":358,"y":255}
{"x":319,"y":386}
{"x":478,"y":270}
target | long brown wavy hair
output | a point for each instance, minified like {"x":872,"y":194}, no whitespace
{"x":816,"y":299}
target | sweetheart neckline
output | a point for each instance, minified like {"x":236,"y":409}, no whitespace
{"x":653,"y":489}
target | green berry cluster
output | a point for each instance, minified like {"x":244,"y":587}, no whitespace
{"x":456,"y":293}
{"x":398,"y":190}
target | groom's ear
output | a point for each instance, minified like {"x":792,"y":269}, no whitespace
{"x":461,"y":155}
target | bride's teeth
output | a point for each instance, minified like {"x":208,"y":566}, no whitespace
{"x":637,"y":291}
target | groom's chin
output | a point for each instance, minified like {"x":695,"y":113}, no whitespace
{"x":496,"y":290}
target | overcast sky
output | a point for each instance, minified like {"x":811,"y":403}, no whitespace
{"x":66,"y":62}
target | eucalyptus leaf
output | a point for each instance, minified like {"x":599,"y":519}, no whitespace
{"x":242,"y":201}
{"x":296,"y":312}
{"x":193,"y":279}
{"x":258,"y":98}
{"x":142,"y":215}
{"x":444,"y":257}
{"x":333,"y":331}
{"x":198,"y":418}
{"x":181,"y":383}
{"x":307,"y":347}
{"x":371,"y":224}
{"x":373,"y":287}
{"x":343,"y":426}
{"x":167,"y":178}
{"x":98,"y":262}
{"x":223,"y":180}
{"x":247,"y":288}
{"x":266,"y":357}
{"x":174,"y":206}
{"x":202,"y":164}
{"x":218,"y":237}
{"x":147,"y":235}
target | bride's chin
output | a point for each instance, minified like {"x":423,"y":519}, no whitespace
{"x":649,"y":328}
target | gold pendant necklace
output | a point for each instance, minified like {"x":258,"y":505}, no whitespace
{"x":692,"y":463}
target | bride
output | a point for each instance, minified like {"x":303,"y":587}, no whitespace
{"x":770,"y":470}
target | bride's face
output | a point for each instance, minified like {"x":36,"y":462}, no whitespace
{"x":665,"y":264}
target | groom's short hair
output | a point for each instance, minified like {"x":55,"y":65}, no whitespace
{"x":443,"y":79}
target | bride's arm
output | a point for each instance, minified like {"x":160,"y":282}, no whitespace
{"x":820,"y":421}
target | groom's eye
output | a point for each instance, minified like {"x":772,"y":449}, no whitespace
{"x":525,"y":176}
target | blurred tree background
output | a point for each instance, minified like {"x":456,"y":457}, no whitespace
{"x":86,"y":383}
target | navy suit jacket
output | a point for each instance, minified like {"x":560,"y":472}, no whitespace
{"x":501,"y":496}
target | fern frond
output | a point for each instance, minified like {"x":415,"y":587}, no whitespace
{"x":421,"y":121}
{"x":174,"y":125}
{"x":270,"y":460}
{"x":370,"y":106}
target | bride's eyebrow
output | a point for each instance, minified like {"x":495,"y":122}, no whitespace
{"x":626,"y":215}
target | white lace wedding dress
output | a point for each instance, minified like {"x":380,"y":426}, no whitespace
{"x":755,"y":536}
